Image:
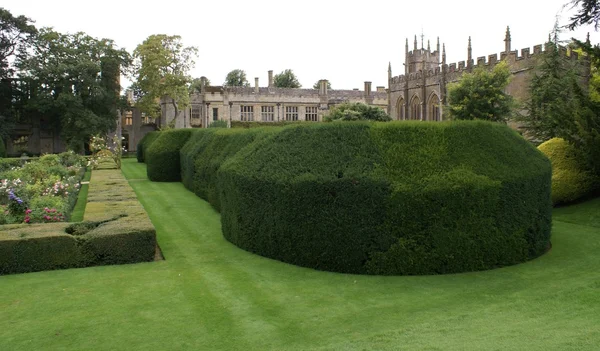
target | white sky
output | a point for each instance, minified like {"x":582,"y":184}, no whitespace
{"x":344,"y":41}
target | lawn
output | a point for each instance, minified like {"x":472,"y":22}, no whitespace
{"x":210,"y":295}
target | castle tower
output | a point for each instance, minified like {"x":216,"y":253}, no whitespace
{"x":421,"y":59}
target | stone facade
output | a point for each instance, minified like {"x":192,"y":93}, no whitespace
{"x":266,"y":104}
{"x":421,"y":90}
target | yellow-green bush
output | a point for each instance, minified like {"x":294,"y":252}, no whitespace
{"x":570,"y":178}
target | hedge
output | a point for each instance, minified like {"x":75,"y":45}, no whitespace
{"x":571,"y":180}
{"x":116,"y":230}
{"x":389,"y":198}
{"x":2,"y":149}
{"x":248,"y":125}
{"x":202,"y":156}
{"x":144,"y":144}
{"x":162,"y":156}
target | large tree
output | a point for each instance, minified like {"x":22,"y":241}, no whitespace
{"x":236,"y":78}
{"x":196,"y":85}
{"x":286,"y":79}
{"x":481,"y":95}
{"x":317,"y":85}
{"x":15,"y":36}
{"x":162,"y":65}
{"x":72,"y":82}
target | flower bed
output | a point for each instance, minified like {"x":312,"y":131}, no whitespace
{"x":41,"y":191}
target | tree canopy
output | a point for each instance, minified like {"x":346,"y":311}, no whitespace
{"x":196,"y":85}
{"x":588,"y":12}
{"x":286,"y":79}
{"x":481,"y":95}
{"x":236,"y":78}
{"x":356,"y":112}
{"x":72,"y":82}
{"x":162,"y":64}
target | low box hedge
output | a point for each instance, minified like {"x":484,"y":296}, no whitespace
{"x":162,"y":157}
{"x":116,"y":230}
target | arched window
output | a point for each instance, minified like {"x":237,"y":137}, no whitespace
{"x":434,"y":112}
{"x":415,"y":108}
{"x":401,"y":108}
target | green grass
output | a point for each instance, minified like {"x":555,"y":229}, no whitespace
{"x":210,"y":295}
{"x":79,"y":209}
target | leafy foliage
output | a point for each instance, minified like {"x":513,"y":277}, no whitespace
{"x":356,"y":112}
{"x":76,"y":82}
{"x":236,"y":78}
{"x":286,"y":79}
{"x":162,"y":66}
{"x":571,"y":178}
{"x":144,"y":144}
{"x":481,"y":95}
{"x":2,"y":148}
{"x":196,"y":85}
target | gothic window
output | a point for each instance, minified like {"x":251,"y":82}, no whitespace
{"x":401,"y":109}
{"x":434,"y":108}
{"x":291,"y":113}
{"x":247,"y":113}
{"x":267,"y":113}
{"x":312,"y":113}
{"x":415,"y":109}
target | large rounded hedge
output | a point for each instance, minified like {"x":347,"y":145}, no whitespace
{"x":571,"y":180}
{"x":202,"y":156}
{"x":162,"y":156}
{"x":144,"y":144}
{"x":389,"y":198}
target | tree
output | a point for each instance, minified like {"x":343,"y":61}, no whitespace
{"x":317,"y":85}
{"x":162,"y":65}
{"x":356,"y":112}
{"x":196,"y":85}
{"x":15,"y":36}
{"x":481,"y":95}
{"x":589,"y":12}
{"x":555,"y":94}
{"x":286,"y":79}
{"x":236,"y":78}
{"x":72,"y":81}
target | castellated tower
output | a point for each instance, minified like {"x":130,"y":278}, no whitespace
{"x":422,"y":59}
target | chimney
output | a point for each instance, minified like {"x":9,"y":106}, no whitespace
{"x":323,"y":87}
{"x":256,"y":88}
{"x":202,"y":84}
{"x":367,"y":88}
{"x":270,"y":79}
{"x":381,"y":89}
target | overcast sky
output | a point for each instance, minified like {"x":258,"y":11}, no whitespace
{"x":347,"y":42}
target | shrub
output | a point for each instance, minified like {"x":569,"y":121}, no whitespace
{"x":162,"y":157}
{"x":144,"y":144}
{"x":389,"y":198}
{"x":205,"y":152}
{"x":247,"y":125}
{"x":356,"y":111}
{"x":218,"y":124}
{"x":571,"y":180}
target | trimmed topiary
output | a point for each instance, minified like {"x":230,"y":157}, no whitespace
{"x":205,"y":152}
{"x":571,"y":180}
{"x":389,"y":198}
{"x":162,"y":156}
{"x":144,"y":144}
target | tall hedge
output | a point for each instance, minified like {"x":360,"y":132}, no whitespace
{"x":2,"y":149}
{"x":162,"y":156}
{"x":571,"y":180}
{"x":144,"y":144}
{"x":205,"y":152}
{"x":394,"y":198}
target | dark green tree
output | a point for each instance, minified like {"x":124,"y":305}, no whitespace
{"x":356,"y":112}
{"x":481,"y":95}
{"x":317,"y":85}
{"x":73,"y":83}
{"x":236,"y":78}
{"x":196,"y":85}
{"x":286,"y":79}
{"x":588,"y":12}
